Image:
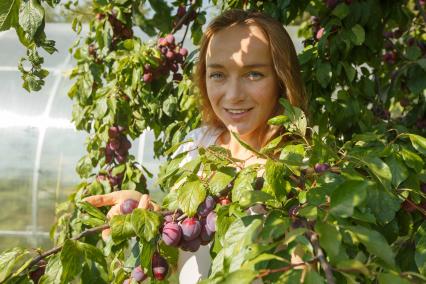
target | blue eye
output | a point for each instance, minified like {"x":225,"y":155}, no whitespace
{"x":254,"y":75}
{"x":216,"y":76}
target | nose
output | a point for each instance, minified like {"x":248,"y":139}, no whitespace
{"x":234,"y":90}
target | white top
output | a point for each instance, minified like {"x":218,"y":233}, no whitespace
{"x":194,"y":266}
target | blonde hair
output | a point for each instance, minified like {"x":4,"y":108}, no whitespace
{"x":283,"y":53}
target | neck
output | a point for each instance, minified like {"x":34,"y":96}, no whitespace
{"x":255,"y":140}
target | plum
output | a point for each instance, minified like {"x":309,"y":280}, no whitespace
{"x":192,"y":245}
{"x":206,"y":235}
{"x":128,"y":205}
{"x":321,"y":167}
{"x":138,"y":274}
{"x":171,"y":234}
{"x":160,"y":267}
{"x":206,"y":206}
{"x":211,"y":221}
{"x":191,"y":228}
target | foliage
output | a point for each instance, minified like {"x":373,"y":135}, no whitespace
{"x":343,"y":194}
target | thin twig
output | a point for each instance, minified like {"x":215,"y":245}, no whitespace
{"x":183,"y":20}
{"x":266,"y":272}
{"x":324,"y":263}
{"x":54,"y":250}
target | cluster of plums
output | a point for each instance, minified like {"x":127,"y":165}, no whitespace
{"x":191,"y":232}
{"x":159,"y":267}
{"x":117,"y":148}
{"x":172,"y":56}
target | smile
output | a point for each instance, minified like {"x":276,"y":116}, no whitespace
{"x":238,"y":110}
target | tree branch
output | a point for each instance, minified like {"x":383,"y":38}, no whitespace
{"x":320,"y":254}
{"x":266,"y":272}
{"x":183,"y":19}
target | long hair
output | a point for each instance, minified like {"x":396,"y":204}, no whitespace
{"x":283,"y":53}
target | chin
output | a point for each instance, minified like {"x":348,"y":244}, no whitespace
{"x":239,"y":130}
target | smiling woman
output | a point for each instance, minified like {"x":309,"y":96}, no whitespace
{"x":247,"y":61}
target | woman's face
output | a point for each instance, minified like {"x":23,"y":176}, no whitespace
{"x":241,"y":82}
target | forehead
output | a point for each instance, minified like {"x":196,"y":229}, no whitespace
{"x":239,"y":44}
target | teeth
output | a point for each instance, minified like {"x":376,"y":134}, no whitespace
{"x":236,"y":111}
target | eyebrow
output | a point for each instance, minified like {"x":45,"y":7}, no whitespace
{"x":255,"y":65}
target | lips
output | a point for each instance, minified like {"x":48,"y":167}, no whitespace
{"x":237,"y":110}
{"x":238,"y":115}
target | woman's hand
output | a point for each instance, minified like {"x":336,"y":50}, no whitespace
{"x":115,"y":199}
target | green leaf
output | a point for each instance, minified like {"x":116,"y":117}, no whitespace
{"x":296,"y":116}
{"x":275,"y":226}
{"x":11,"y":260}
{"x":293,"y":154}
{"x":329,"y":238}
{"x":92,"y":253}
{"x":312,"y":277}
{"x":354,"y":265}
{"x":398,"y":169}
{"x":347,"y":196}
{"x":341,"y":11}
{"x":72,"y":260}
{"x":221,"y":179}
{"x":380,"y":169}
{"x":275,"y":176}
{"x":190,"y":195}
{"x":278,"y":120}
{"x":146,"y":223}
{"x":420,"y":254}
{"x":422,"y":63}
{"x":53,"y":271}
{"x":349,"y":70}
{"x":249,"y":198}
{"x":382,"y":203}
{"x":386,"y":278}
{"x":359,"y":34}
{"x":411,"y":159}
{"x":84,"y":166}
{"x":323,"y":73}
{"x":239,"y":235}
{"x":243,"y":182}
{"x":413,"y":52}
{"x":272,"y":145}
{"x":418,"y":142}
{"x":375,"y":243}
{"x":241,"y":276}
{"x":31,"y":15}
{"x":121,"y":228}
{"x":92,"y":210}
{"x":9,"y":10}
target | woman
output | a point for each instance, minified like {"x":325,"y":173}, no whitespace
{"x":247,"y":62}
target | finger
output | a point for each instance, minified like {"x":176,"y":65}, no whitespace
{"x":102,"y":200}
{"x":115,"y":210}
{"x":112,"y":198}
{"x":106,"y":233}
{"x":144,"y":201}
{"x":154,"y":206}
